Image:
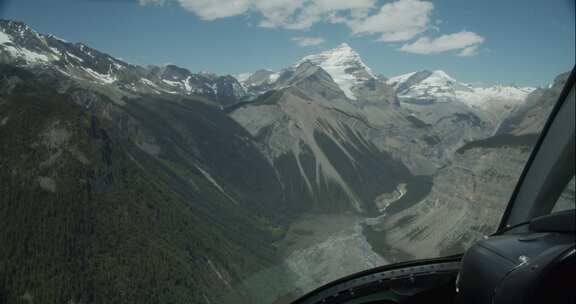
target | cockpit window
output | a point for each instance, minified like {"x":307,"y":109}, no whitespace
{"x":567,"y":199}
{"x":248,"y":151}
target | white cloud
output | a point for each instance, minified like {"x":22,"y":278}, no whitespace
{"x":276,"y":12}
{"x":308,"y":41}
{"x":284,"y":14}
{"x":151,"y":2}
{"x":467,"y":42}
{"x":289,"y":14}
{"x":396,"y":21}
{"x":302,"y":14}
{"x":214,"y":9}
{"x":469,"y":51}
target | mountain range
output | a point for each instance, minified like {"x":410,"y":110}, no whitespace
{"x":126,"y":183}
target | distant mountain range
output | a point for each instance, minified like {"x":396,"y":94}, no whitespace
{"x":22,"y":45}
{"x":125,"y":183}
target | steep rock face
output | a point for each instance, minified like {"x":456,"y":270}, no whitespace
{"x":321,"y":159}
{"x":312,"y":80}
{"x":450,"y":124}
{"x":421,"y":145}
{"x":469,"y":195}
{"x":121,"y":202}
{"x":531,"y":115}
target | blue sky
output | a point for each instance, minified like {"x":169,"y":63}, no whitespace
{"x":524,"y":42}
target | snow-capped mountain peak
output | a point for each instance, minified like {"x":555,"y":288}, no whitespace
{"x":425,"y":87}
{"x":344,"y":66}
{"x":442,"y":82}
{"x":442,"y":75}
{"x":340,"y":70}
{"x":439,"y":86}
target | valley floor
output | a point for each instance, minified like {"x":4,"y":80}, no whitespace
{"x":317,"y":249}
{"x":320,"y":248}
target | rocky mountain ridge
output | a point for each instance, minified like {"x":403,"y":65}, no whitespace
{"x":23,"y":46}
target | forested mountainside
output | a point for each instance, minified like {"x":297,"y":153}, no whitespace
{"x":112,"y":204}
{"x":128,"y":184}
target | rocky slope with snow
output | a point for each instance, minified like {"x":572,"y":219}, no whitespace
{"x":21,"y":45}
{"x":469,"y":194}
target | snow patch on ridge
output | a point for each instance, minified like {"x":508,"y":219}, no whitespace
{"x":397,"y":80}
{"x":243,"y":77}
{"x":74,"y":56}
{"x":5,"y":38}
{"x":480,"y":97}
{"x":104,"y":78}
{"x":27,"y":55}
{"x":187,"y":86}
{"x":273,"y":77}
{"x":172,"y":83}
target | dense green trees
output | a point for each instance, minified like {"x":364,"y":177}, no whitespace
{"x":88,"y":217}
